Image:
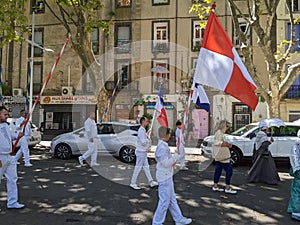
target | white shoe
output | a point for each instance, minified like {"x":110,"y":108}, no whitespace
{"x":135,"y":187}
{"x":28,"y":165}
{"x":17,"y":205}
{"x":80,"y":160}
{"x":184,"y":221}
{"x":217,"y":189}
{"x":153,"y":184}
{"x":230,"y":191}
{"x":95,"y":164}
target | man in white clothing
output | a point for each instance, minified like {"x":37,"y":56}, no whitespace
{"x":164,"y":174}
{"x":24,"y":140}
{"x":143,"y":142}
{"x":181,"y":147}
{"x":8,"y":166}
{"x":91,"y":138}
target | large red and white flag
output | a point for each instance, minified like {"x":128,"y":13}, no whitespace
{"x":159,"y":106}
{"x":220,"y":66}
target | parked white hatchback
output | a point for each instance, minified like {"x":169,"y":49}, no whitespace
{"x":242,"y":141}
{"x":36,"y":134}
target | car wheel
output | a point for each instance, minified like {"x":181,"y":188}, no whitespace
{"x":235,"y":156}
{"x":127,"y":154}
{"x":62,"y":151}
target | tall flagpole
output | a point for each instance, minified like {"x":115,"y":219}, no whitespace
{"x":41,"y":91}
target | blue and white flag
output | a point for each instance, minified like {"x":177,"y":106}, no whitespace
{"x":199,"y":97}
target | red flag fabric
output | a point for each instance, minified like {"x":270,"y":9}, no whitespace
{"x":220,"y":66}
{"x":159,"y":106}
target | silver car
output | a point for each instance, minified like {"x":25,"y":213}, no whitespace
{"x":242,"y":141}
{"x":115,"y":138}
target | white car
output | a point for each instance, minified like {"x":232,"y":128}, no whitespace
{"x":242,"y":141}
{"x":115,"y":138}
{"x":36,"y":134}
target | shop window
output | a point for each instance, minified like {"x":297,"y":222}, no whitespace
{"x":294,"y":90}
{"x":198,"y":34}
{"x":37,"y":6}
{"x":160,"y":36}
{"x":246,"y":30}
{"x":123,"y":3}
{"x":297,"y":35}
{"x":160,"y":78}
{"x":160,"y":2}
{"x":38,"y":39}
{"x":58,"y":121}
{"x":123,"y":38}
{"x":95,"y":41}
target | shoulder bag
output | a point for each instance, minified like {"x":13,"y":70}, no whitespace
{"x":221,"y":153}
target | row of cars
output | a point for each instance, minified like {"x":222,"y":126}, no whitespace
{"x":242,"y":141}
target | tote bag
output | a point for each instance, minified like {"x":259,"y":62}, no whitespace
{"x":221,"y":153}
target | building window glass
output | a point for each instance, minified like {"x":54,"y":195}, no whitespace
{"x":160,"y":78}
{"x":123,"y":38}
{"x":38,"y":39}
{"x":294,"y":90}
{"x":122,"y":76}
{"x":37,"y":77}
{"x":161,"y":36}
{"x":37,"y":6}
{"x":95,"y":41}
{"x":123,"y":3}
{"x":198,"y":33}
{"x":160,"y":2}
{"x":297,"y":35}
{"x":246,"y":30}
{"x":295,"y":5}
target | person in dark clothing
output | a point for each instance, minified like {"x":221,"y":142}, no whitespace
{"x":263,"y":169}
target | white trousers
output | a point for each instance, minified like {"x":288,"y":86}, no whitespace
{"x":182,"y":155}
{"x":167,"y":200}
{"x":141,"y":163}
{"x":23,"y":150}
{"x":92,"y":151}
{"x":9,"y":170}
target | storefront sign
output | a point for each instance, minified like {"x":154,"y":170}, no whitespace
{"x":68,"y":100}
{"x":168,"y":106}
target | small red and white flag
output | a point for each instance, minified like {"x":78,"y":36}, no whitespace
{"x":159,"y":106}
{"x":220,"y":66}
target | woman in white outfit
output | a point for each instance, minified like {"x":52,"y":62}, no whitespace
{"x":164,"y":174}
{"x":24,"y":140}
{"x":91,"y":138}
{"x":8,"y":166}
{"x":143,"y":143}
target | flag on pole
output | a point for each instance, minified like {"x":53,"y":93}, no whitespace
{"x":199,"y":97}
{"x":220,"y":66}
{"x":28,"y":87}
{"x":159,"y":106}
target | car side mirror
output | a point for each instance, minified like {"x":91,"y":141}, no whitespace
{"x":81,"y":134}
{"x":252,"y":135}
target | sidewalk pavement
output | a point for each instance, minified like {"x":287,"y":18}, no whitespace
{"x":63,"y":192}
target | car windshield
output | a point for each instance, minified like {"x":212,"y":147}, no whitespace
{"x":243,"y":130}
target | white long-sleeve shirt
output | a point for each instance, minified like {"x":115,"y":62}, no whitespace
{"x":5,"y":139}
{"x":90,"y":128}
{"x":143,"y":141}
{"x":165,"y":161}
{"x":177,"y":136}
{"x":27,"y":131}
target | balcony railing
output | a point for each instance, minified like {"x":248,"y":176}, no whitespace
{"x":161,"y":46}
{"x":123,"y":46}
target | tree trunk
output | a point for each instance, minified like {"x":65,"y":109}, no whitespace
{"x":103,"y":99}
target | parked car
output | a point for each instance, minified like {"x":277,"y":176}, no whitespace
{"x":115,"y":138}
{"x":242,"y":141}
{"x":36,"y":134}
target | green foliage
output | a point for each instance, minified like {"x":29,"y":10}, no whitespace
{"x":148,"y":116}
{"x":12,"y":19}
{"x":202,"y":8}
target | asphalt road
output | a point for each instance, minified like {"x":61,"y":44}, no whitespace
{"x":61,"y":192}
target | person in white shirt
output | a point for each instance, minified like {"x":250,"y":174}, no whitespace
{"x":91,"y":138}
{"x":24,"y":140}
{"x":143,"y":143}
{"x":8,"y":166}
{"x":181,"y":147}
{"x":164,"y":174}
